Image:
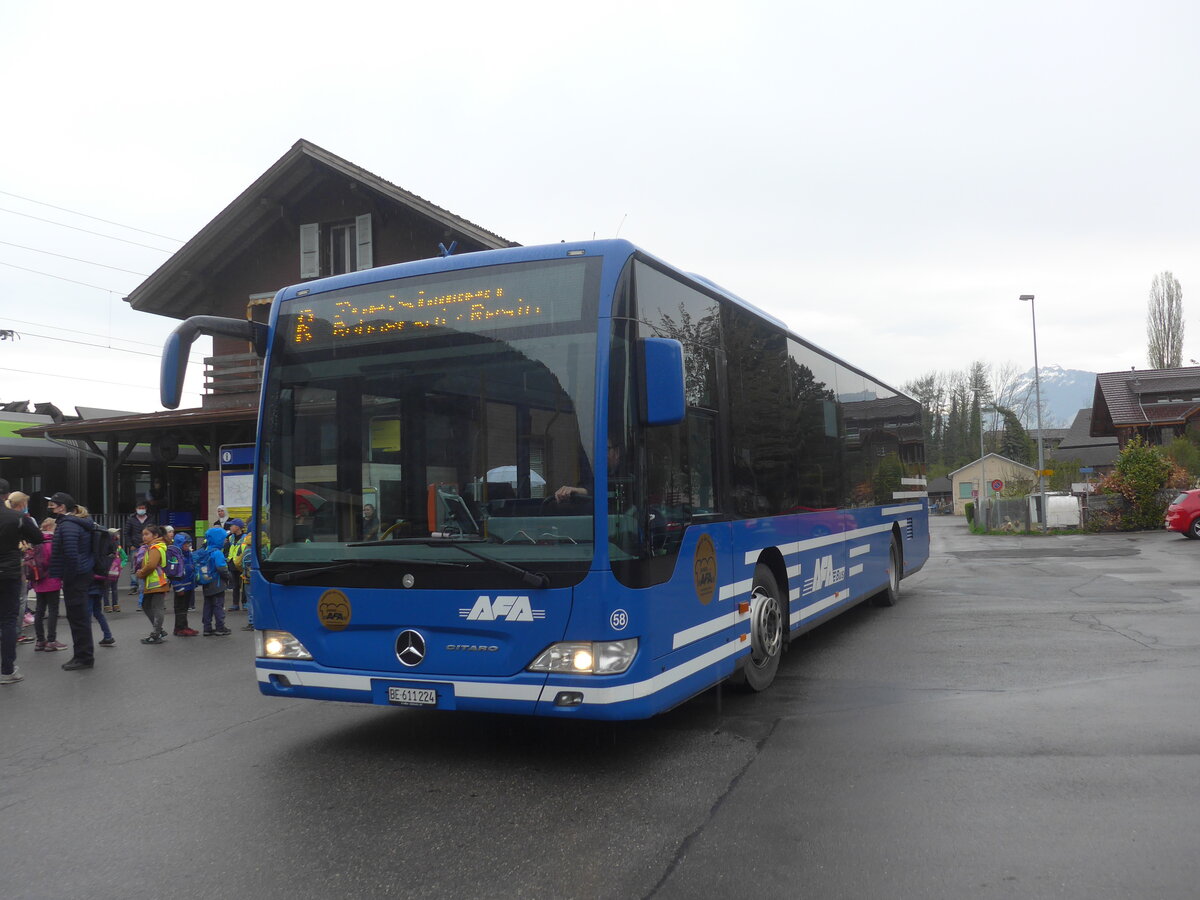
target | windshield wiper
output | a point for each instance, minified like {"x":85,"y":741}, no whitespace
{"x":533,"y":579}
{"x":297,"y":574}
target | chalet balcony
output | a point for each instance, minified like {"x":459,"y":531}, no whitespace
{"x":231,"y":381}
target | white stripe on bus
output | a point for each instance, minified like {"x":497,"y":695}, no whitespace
{"x":751,"y":556}
{"x":859,"y":550}
{"x":704,"y":629}
{"x":650,"y":686}
{"x":820,"y":606}
{"x":855,"y":570}
{"x":337,"y":681}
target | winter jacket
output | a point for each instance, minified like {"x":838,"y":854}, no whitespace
{"x":188,"y":581}
{"x":214,"y":542}
{"x":131,"y":532}
{"x":41,"y":555}
{"x":71,"y":550}
{"x":151,"y":569}
{"x":14,"y":528}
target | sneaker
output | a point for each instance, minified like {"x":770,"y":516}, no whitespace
{"x":55,"y":645}
{"x":186,"y":632}
{"x":108,"y":609}
{"x":116,"y":608}
{"x":72,"y":664}
{"x":247,"y":627}
{"x":208,"y":632}
{"x":39,"y":645}
{"x":107,"y":642}
{"x":12,"y":678}
{"x":221,"y":632}
{"x":235,"y":609}
{"x":153,"y":639}
{"x":133,"y":591}
{"x":26,"y":639}
{"x":161,"y":633}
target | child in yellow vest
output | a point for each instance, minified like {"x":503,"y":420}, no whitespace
{"x":153,"y":576}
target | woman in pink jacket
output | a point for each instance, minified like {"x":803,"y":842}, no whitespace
{"x":45,"y":621}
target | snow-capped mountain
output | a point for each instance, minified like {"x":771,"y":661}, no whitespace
{"x":1064,"y":393}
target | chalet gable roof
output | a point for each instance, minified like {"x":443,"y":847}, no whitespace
{"x":1144,"y":397}
{"x":988,"y":456}
{"x":169,"y":288}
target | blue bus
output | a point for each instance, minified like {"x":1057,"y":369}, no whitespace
{"x":566,"y":480}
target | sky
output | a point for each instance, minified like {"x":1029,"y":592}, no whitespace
{"x":886,"y":178}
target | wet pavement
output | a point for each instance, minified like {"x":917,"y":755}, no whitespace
{"x":1024,"y":723}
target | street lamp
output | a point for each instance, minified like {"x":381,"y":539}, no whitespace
{"x":1037,"y":383}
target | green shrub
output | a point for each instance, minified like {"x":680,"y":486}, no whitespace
{"x":1142,"y":474}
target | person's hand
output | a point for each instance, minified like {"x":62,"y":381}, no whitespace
{"x":564,"y":493}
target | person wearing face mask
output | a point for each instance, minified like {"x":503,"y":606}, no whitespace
{"x":131,"y":538}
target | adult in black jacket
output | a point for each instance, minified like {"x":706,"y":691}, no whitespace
{"x":15,"y":526}
{"x":71,"y":560}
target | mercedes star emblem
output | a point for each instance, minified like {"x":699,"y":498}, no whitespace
{"x":410,"y":648}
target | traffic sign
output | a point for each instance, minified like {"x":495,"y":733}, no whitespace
{"x":1086,"y":470}
{"x":1046,"y":473}
{"x":997,"y":485}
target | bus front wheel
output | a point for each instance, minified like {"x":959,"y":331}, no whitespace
{"x":766,"y":633}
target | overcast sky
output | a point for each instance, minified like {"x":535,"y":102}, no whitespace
{"x":887,"y":178}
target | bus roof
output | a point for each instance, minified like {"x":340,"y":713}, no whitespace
{"x":617,"y":248}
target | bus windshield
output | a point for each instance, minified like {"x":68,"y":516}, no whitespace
{"x":430,"y":421}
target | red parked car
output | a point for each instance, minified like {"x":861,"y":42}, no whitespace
{"x":1184,"y":514}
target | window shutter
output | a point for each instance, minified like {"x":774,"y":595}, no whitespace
{"x":362,"y":229}
{"x":310,"y":251}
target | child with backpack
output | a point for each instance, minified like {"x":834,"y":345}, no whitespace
{"x":112,"y":600}
{"x":155,"y":584}
{"x":181,"y":570}
{"x":37,"y":573}
{"x":212,"y":574}
{"x":106,"y":569}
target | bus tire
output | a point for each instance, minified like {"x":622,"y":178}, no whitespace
{"x":767,"y":629}
{"x":890,"y":594}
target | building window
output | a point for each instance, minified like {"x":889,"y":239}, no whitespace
{"x":333,"y":248}
{"x":966,"y":490}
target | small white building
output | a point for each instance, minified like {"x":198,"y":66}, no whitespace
{"x":965,"y":483}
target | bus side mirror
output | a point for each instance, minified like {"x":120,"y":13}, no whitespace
{"x":662,"y":400}
{"x":179,"y":344}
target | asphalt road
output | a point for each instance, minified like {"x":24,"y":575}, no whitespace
{"x":1024,"y":724}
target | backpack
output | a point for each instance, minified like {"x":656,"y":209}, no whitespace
{"x":174,"y":565}
{"x":106,"y":565}
{"x":33,"y":569}
{"x":206,"y":572}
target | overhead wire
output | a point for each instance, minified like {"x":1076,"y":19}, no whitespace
{"x":74,"y":258}
{"x":76,"y":212}
{"x":102,"y":346}
{"x":145,"y":387}
{"x":111,"y":237}
{"x":60,"y":277}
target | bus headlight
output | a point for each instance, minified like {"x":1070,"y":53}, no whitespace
{"x":586,"y":657}
{"x":279,"y":645}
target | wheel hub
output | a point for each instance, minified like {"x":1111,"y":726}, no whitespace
{"x":766,"y":627}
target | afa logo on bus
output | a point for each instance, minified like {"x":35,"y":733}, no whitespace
{"x":510,"y":609}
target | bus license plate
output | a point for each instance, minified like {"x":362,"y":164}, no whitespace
{"x":412,"y":696}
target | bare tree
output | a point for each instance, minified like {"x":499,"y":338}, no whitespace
{"x":1164,"y":322}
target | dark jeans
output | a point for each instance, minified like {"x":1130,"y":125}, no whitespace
{"x":96,"y":598}
{"x":79,"y":615}
{"x":111,"y":590}
{"x":214,"y":612}
{"x":45,"y":619}
{"x":183,"y":599}
{"x":10,"y":613}
{"x":236,"y":587}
